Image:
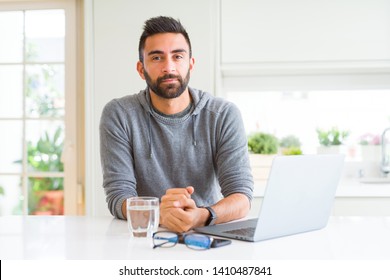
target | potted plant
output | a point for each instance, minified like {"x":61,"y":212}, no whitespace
{"x":45,"y":193}
{"x":290,"y":145}
{"x":370,"y":146}
{"x":331,"y":140}
{"x":262,"y":143}
{"x":46,"y":156}
{"x":262,"y":147}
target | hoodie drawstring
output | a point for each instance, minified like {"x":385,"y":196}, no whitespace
{"x":193,"y":130}
{"x":150,"y":135}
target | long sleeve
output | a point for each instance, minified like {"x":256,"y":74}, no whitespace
{"x":233,"y":168}
{"x":116,"y":158}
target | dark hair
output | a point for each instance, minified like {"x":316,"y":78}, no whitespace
{"x":158,"y":25}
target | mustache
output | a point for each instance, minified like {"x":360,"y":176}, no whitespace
{"x":168,"y":76}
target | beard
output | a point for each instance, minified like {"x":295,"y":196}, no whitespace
{"x":168,"y":91}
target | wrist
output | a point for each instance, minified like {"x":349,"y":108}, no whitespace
{"x":202,"y":217}
{"x":124,"y":209}
{"x":211,"y":217}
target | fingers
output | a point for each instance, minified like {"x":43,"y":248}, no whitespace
{"x":178,"y":220}
{"x":178,"y":198}
{"x":176,"y":201}
{"x":187,"y":191}
{"x":184,"y":204}
{"x":177,"y":209}
{"x":190,"y":189}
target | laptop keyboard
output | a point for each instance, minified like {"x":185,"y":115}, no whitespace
{"x":248,"y":231}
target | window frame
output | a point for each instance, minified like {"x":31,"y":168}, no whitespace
{"x":72,"y":187}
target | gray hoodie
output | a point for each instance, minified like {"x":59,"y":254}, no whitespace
{"x":145,"y":153}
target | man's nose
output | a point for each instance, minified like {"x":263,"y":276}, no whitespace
{"x":169,"y":66}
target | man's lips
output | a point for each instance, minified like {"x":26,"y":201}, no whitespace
{"x":169,"y":80}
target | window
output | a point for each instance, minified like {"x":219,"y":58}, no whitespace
{"x":358,"y":112}
{"x":37,"y":115}
{"x":362,"y":113}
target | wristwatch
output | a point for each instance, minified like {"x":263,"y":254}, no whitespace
{"x":212,"y":218}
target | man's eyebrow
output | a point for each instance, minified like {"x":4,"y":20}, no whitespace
{"x":155,"y":52}
{"x":161,"y":52}
{"x":179,"y":51}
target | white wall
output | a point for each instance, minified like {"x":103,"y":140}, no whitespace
{"x":260,"y":31}
{"x":113,"y":29}
{"x":305,"y":44}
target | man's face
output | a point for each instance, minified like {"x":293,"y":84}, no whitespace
{"x":167,"y":65}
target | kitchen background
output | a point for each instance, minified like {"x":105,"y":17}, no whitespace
{"x":295,"y":68}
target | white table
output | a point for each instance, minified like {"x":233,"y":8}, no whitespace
{"x":68,"y":237}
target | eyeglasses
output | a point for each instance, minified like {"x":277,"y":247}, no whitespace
{"x":167,"y":239}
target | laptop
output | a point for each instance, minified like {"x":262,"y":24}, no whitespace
{"x":298,"y":198}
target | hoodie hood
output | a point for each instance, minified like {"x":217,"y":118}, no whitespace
{"x":199,"y":99}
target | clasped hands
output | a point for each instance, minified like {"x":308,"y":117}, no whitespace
{"x":178,"y":211}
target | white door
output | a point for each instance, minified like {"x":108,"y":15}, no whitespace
{"x":37,"y":109}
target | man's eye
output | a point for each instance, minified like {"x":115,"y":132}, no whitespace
{"x":156,"y":58}
{"x":178,"y":56}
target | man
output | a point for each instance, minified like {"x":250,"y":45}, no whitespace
{"x":174,"y":142}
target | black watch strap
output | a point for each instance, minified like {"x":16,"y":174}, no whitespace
{"x":212,"y":218}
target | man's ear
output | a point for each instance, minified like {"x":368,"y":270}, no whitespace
{"x":192,"y":62}
{"x":140,"y":69}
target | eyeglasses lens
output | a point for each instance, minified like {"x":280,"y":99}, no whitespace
{"x":165,"y":239}
{"x":197,"y":241}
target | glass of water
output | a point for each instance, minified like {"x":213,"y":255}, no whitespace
{"x":143,"y":215}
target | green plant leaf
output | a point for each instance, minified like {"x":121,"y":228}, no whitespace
{"x":332,"y":136}
{"x":263,"y":143}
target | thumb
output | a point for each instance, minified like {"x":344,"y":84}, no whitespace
{"x":190,"y":189}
